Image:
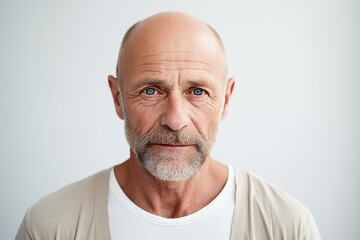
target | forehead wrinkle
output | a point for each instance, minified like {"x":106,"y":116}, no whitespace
{"x":162,"y":62}
{"x":159,"y":61}
{"x":153,"y":60}
{"x":160,"y":73}
{"x":177,"y":61}
{"x":181,"y":55}
{"x":163,"y":66}
{"x":198,"y":81}
{"x":183,"y":49}
{"x":162,"y":70}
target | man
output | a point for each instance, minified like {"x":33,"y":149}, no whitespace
{"x":172,"y":91}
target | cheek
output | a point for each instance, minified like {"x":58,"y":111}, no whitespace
{"x":142,"y":119}
{"x":206,"y":119}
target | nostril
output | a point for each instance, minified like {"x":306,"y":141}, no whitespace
{"x":175,"y":120}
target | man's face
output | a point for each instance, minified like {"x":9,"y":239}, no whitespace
{"x":173,"y":95}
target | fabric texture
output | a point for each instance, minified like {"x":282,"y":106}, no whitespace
{"x":79,"y":211}
{"x":212,"y":222}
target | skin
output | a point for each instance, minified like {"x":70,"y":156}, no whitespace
{"x":179,"y":57}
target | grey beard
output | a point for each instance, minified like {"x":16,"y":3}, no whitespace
{"x":170,"y":165}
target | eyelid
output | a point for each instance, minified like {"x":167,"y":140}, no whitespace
{"x":156,"y":89}
{"x":194,"y":88}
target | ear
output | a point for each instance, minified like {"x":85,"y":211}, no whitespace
{"x":115,"y":91}
{"x":228,"y":92}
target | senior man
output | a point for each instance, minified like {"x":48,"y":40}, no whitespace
{"x":172,"y":91}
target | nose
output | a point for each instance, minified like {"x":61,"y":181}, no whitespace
{"x":175,"y":115}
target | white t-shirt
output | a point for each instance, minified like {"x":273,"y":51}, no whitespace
{"x":128,"y":221}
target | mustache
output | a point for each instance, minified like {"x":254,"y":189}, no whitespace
{"x":169,"y":137}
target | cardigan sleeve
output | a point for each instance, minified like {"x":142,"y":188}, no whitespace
{"x":23,"y":233}
{"x":77,"y":211}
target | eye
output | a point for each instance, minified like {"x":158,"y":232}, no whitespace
{"x":150,"y":91}
{"x":198,"y":91}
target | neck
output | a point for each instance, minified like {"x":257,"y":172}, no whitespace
{"x":171,"y":199}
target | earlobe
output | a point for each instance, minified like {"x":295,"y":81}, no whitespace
{"x":115,"y":91}
{"x":228,"y":93}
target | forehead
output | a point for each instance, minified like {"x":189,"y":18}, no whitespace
{"x":163,"y":61}
{"x":185,"y":64}
{"x":176,"y":57}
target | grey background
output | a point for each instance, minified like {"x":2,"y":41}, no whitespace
{"x":294,"y":117}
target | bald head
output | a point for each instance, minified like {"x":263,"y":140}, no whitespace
{"x":168,"y":27}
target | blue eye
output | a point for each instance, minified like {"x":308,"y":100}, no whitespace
{"x":150,"y":91}
{"x":198,"y":91}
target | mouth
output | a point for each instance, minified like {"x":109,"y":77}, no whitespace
{"x":173,"y":146}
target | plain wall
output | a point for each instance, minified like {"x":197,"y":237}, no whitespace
{"x":294,"y":117}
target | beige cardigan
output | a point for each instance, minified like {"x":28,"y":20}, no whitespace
{"x":79,"y":211}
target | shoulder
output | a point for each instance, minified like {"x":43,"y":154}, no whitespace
{"x":266,"y":194}
{"x":69,"y":196}
{"x":62,"y":211}
{"x":274,"y":211}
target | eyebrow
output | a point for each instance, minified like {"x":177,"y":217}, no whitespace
{"x":201,"y":82}
{"x":150,"y":82}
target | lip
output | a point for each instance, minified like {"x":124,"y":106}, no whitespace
{"x":175,"y":146}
